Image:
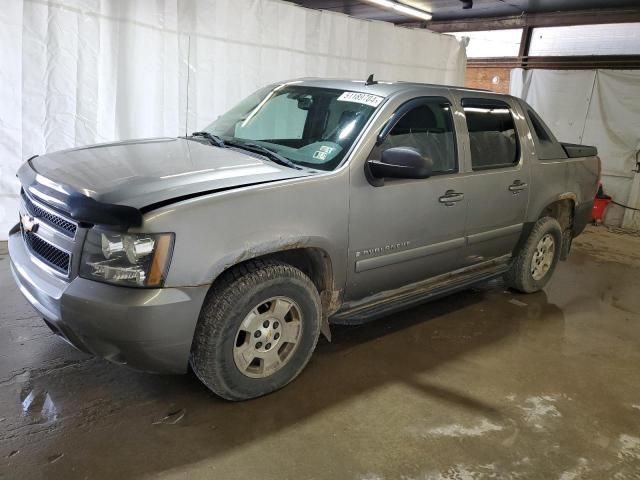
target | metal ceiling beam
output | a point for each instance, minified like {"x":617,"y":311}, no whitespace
{"x":554,"y":19}
{"x":525,"y":42}
{"x":581,"y":62}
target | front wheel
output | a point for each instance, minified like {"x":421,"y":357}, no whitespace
{"x":535,"y":262}
{"x":257,"y":330}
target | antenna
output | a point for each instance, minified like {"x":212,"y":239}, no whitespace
{"x":370,"y":80}
{"x":186,"y":117}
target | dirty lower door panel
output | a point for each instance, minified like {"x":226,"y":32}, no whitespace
{"x":402,"y":233}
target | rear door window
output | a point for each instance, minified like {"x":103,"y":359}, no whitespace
{"x":493,"y":138}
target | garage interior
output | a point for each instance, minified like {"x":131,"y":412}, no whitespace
{"x":486,"y":383}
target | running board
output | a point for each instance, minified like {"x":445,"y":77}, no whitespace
{"x":390,"y":301}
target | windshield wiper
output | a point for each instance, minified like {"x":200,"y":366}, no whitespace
{"x":270,"y":154}
{"x":252,"y":147}
{"x":214,"y":139}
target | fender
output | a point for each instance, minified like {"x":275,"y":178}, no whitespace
{"x":528,"y":225}
{"x":250,"y":251}
{"x":555,"y":198}
{"x":568,"y":196}
{"x":331,"y":297}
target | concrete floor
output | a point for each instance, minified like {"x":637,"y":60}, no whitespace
{"x":484,"y":384}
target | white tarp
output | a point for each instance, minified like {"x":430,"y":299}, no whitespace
{"x":594,"y":107}
{"x":76,"y":72}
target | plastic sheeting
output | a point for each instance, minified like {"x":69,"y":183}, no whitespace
{"x":594,"y":107}
{"x":77,"y":72}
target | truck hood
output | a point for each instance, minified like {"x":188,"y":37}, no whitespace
{"x":139,"y":173}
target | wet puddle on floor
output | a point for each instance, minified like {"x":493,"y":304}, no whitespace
{"x":37,"y":404}
{"x":487,"y":384}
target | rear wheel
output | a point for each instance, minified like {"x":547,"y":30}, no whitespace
{"x":536,"y":261}
{"x":257,"y":330}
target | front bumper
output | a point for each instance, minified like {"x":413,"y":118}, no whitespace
{"x":147,"y":329}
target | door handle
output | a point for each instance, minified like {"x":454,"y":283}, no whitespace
{"x":451,"y":197}
{"x":517,"y":186}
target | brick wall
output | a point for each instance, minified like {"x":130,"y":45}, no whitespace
{"x":488,"y":78}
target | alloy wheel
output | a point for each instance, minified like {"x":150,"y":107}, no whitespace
{"x":543,"y":257}
{"x":267,"y":338}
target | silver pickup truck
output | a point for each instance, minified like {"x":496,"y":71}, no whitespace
{"x":311,"y":202}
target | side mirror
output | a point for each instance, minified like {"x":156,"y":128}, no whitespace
{"x":401,"y":162}
{"x":305,"y":102}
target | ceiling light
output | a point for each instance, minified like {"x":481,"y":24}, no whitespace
{"x":382,"y":3}
{"x":402,"y":8}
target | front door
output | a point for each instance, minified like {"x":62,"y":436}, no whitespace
{"x":408,"y":230}
{"x":498,"y":185}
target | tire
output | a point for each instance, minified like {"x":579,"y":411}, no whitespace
{"x":251,"y":296}
{"x":522,"y":276}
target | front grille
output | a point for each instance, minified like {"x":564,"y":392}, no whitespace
{"x":56,"y":221}
{"x":49,"y":254}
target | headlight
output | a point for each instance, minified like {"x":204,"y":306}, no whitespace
{"x":130,"y":259}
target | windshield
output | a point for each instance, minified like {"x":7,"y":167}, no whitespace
{"x":313,"y":127}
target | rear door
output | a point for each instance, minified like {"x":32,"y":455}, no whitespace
{"x":497,"y":188}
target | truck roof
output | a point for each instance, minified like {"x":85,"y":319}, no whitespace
{"x":382,"y":87}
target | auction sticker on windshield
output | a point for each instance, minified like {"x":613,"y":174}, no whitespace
{"x":365,"y":98}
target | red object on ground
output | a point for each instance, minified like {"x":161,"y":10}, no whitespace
{"x":598,"y":208}
{"x":600,"y":204}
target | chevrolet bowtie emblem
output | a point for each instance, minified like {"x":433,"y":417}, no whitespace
{"x":29,"y":224}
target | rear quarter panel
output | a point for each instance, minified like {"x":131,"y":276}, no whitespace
{"x":568,"y":178}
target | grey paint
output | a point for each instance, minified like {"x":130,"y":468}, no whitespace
{"x":494,"y":234}
{"x":406,"y":255}
{"x":143,"y":172}
{"x":150,"y":329}
{"x":338,"y":212}
{"x":495,"y":212}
